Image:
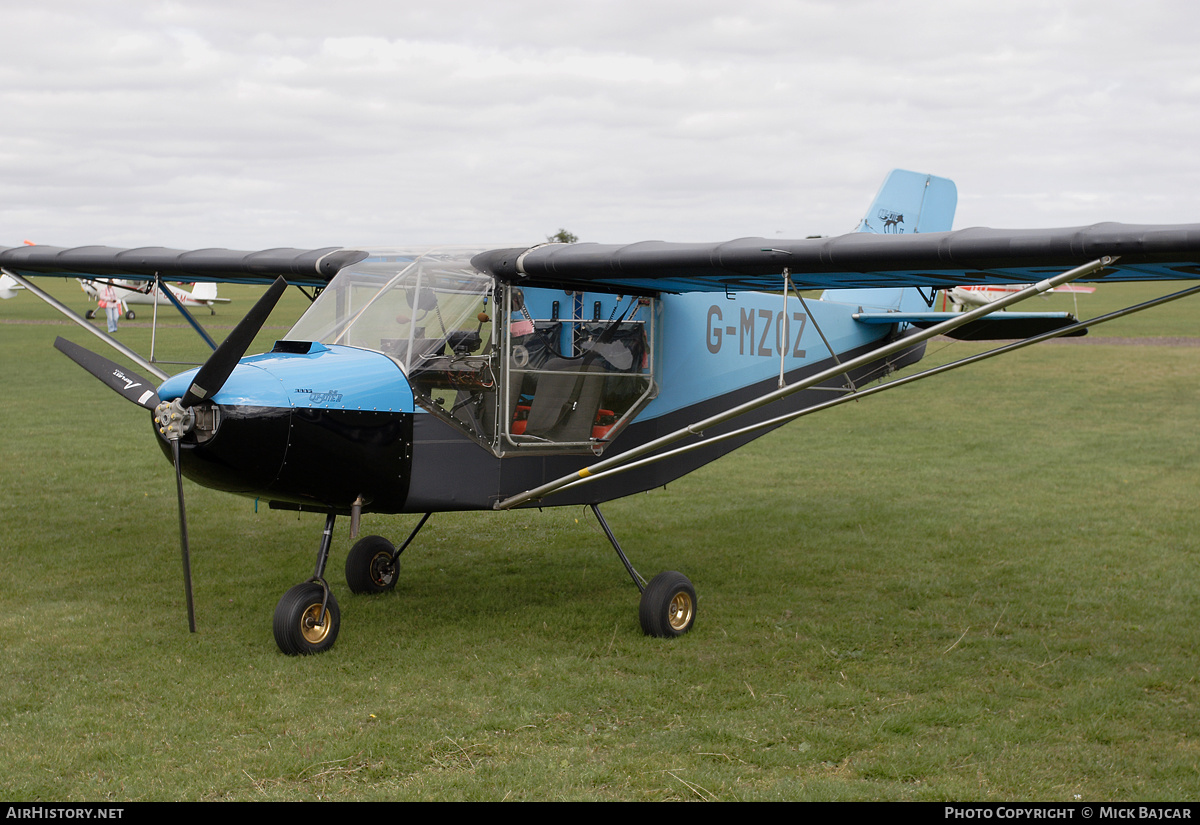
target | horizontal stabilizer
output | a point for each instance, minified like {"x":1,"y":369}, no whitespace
{"x":998,"y":326}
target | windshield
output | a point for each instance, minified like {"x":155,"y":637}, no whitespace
{"x":525,"y":370}
{"x":410,"y":305}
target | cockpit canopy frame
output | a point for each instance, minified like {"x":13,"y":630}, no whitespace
{"x":519,"y":370}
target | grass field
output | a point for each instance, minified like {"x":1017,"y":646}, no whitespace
{"x":981,"y":587}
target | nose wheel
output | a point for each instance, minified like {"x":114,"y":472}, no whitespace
{"x":307,"y":620}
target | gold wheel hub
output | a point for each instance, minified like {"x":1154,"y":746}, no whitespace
{"x":314,"y":633}
{"x":679,"y":614}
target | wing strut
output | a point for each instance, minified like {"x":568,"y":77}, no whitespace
{"x":874,"y":355}
{"x":163,"y":289}
{"x":817,"y":327}
{"x":103,"y":336}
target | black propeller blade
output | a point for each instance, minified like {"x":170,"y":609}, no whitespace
{"x":183,"y":538}
{"x":220,"y":364}
{"x":132,"y":386}
{"x":124,"y":381}
{"x":175,"y":418}
{"x":207,"y":383}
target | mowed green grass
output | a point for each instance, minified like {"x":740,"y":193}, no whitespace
{"x":980,"y":587}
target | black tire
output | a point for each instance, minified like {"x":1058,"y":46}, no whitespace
{"x":668,"y":606}
{"x":295,"y":615}
{"x":369,"y":567}
{"x":90,"y":314}
{"x":130,"y":315}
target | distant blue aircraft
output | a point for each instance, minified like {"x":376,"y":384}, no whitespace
{"x":431,"y":380}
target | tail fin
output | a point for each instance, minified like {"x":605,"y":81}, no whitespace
{"x":8,"y":287}
{"x":204,"y":291}
{"x":911,"y":202}
{"x":907,"y":202}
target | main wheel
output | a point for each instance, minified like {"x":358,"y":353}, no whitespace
{"x":668,"y":606}
{"x":90,"y":314}
{"x":296,"y":617}
{"x":369,"y":567}
{"x":130,"y":315}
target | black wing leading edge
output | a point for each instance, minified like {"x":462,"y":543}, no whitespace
{"x":935,"y":259}
{"x":305,"y":267}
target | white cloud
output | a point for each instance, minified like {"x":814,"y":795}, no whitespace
{"x":265,"y":124}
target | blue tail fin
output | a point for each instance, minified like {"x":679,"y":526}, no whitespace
{"x":907,"y":202}
{"x":911,"y":202}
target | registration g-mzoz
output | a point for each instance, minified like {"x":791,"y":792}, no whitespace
{"x":758,"y":332}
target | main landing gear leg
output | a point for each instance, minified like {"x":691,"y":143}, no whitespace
{"x":307,"y":618}
{"x":668,"y":605}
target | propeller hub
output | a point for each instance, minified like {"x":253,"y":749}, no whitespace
{"x":174,"y":420}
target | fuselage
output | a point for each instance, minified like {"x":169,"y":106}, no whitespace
{"x":415,"y":383}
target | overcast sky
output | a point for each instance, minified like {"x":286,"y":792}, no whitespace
{"x":257,"y":124}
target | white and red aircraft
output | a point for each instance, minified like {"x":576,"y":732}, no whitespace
{"x":139,"y":292}
{"x":133,"y":292}
{"x":977,"y":295}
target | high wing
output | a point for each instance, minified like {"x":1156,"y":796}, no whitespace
{"x":303,"y":267}
{"x":937,"y":259}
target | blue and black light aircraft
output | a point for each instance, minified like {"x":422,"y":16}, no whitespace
{"x":430,"y":380}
